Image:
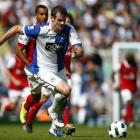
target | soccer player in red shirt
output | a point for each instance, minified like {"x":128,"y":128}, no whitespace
{"x":33,"y":101}
{"x":18,"y":84}
{"x":128,"y":86}
{"x":67,"y":63}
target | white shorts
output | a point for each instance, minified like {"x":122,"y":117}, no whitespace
{"x":16,"y":95}
{"x":46,"y":92}
{"x":44,"y":79}
{"x":126,"y":95}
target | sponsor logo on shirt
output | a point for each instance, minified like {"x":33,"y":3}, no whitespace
{"x":53,"y":47}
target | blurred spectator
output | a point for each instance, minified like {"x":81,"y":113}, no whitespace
{"x":96,"y":104}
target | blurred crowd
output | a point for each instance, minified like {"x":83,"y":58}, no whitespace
{"x":100,"y":23}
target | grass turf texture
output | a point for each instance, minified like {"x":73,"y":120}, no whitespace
{"x":40,"y":132}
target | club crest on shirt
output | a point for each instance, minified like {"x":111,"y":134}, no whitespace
{"x":30,"y":27}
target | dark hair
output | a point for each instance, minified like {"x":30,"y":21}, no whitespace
{"x":130,"y":57}
{"x":58,"y":9}
{"x":71,"y":18}
{"x":40,"y":6}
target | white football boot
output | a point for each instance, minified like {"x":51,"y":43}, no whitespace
{"x":58,"y":123}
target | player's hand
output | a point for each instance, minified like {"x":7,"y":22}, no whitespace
{"x":73,"y":55}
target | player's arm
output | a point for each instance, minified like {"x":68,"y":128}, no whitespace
{"x":11,"y":32}
{"x":21,"y":55}
{"x":12,"y":78}
{"x":75,"y":41}
{"x":23,"y":41}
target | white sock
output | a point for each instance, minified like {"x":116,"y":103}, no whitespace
{"x":57,"y":101}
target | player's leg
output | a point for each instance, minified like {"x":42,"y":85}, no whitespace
{"x":54,"y":110}
{"x":34,"y":97}
{"x":70,"y":128}
{"x":35,"y":107}
{"x":26,"y":105}
{"x":127,"y":100}
{"x":56,"y":83}
{"x":56,"y":131}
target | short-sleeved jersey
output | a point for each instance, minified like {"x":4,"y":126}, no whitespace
{"x":50,"y":46}
{"x":16,"y":68}
{"x":29,"y":44}
{"x":125,"y":83}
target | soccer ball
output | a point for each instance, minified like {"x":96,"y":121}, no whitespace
{"x":117,"y":129}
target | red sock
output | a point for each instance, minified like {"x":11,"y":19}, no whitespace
{"x":32,"y":112}
{"x":130,"y":112}
{"x":66,"y":116}
{"x":29,"y":102}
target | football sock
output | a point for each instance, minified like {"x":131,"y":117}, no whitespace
{"x":29,"y":102}
{"x":66,"y":115}
{"x":130,"y":112}
{"x":57,"y":102}
{"x":33,"y":110}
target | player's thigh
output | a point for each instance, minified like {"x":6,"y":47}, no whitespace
{"x":34,"y":82}
{"x":126,"y":95}
{"x":55,"y":81}
{"x":14,"y":95}
{"x":25,"y":92}
{"x":63,"y":86}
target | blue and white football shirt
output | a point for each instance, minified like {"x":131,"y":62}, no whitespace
{"x":50,"y":46}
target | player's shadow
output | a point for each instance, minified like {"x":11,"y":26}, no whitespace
{"x":83,"y":136}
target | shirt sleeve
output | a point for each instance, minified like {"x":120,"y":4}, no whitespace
{"x":23,"y":39}
{"x":74,"y":38}
{"x":31,"y":30}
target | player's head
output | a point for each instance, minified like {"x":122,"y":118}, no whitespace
{"x":130,"y":57}
{"x":41,"y":13}
{"x":58,"y":17}
{"x":69,"y":19}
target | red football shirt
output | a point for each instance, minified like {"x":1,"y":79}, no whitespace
{"x":128,"y":77}
{"x":17,"y":71}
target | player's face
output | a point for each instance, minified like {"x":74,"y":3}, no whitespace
{"x":58,"y":22}
{"x":42,"y":15}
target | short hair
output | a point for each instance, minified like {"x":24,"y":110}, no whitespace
{"x":58,"y":9}
{"x":130,"y":57}
{"x":71,"y":18}
{"x":40,"y":6}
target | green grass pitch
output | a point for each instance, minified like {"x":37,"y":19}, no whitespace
{"x":40,"y":132}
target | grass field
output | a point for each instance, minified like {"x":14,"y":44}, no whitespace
{"x":40,"y":132}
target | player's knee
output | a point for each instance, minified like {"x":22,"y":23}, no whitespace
{"x":43,"y":99}
{"x":67,"y":91}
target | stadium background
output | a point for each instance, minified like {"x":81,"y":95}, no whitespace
{"x":100,"y":23}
